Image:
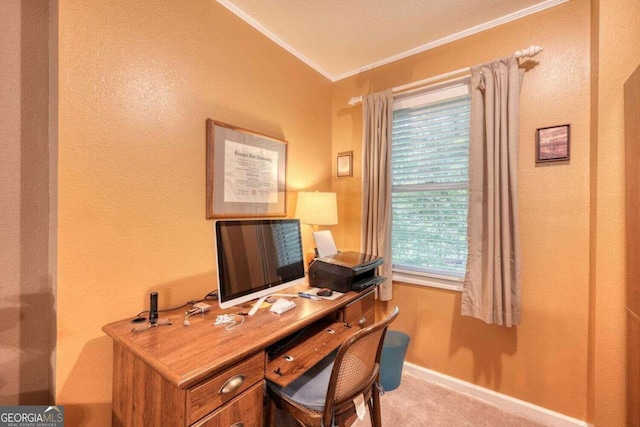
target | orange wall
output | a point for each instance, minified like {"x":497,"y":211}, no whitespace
{"x":137,"y":81}
{"x":544,"y":360}
{"x":619,"y":56}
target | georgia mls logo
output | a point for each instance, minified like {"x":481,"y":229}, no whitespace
{"x":31,"y":416}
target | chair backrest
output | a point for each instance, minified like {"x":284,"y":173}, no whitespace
{"x":356,"y":365}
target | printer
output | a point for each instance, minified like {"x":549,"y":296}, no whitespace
{"x":345,"y":271}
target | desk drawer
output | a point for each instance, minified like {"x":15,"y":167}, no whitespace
{"x":361,"y":312}
{"x":245,"y":411}
{"x":216,"y":391}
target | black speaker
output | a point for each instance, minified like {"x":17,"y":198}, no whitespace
{"x":153,"y":308}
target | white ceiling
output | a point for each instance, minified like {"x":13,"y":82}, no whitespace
{"x":340,"y":38}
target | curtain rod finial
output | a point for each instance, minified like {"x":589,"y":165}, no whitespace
{"x":355,"y":100}
{"x":532,"y":50}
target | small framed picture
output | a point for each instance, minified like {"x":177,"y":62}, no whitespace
{"x":553,"y":143}
{"x":345,"y":164}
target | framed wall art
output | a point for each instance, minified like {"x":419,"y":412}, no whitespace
{"x":246,"y":173}
{"x":553,"y":143}
{"x":344,"y":165}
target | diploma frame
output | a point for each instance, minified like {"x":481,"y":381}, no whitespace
{"x":221,"y":173}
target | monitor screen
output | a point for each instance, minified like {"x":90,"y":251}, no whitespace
{"x":256,"y":258}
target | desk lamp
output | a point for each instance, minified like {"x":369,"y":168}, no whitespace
{"x":317,"y":208}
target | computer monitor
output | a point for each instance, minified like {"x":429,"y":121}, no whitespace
{"x":257,"y":258}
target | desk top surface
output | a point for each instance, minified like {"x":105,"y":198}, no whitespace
{"x":185,"y":355}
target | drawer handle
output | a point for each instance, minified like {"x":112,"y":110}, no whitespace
{"x":232,"y":385}
{"x":362,"y":322}
{"x":239,"y":424}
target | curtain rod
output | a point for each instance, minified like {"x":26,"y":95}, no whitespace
{"x":532,"y":50}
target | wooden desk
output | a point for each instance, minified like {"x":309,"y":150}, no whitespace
{"x":205,"y":375}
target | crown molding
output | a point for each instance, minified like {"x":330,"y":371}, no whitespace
{"x":277,"y":40}
{"x":457,"y":36}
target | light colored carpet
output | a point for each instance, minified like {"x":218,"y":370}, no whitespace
{"x":419,"y":402}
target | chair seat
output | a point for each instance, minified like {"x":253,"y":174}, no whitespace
{"x":310,"y":390}
{"x":324,"y":395}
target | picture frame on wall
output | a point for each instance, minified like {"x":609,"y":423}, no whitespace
{"x":344,"y":165}
{"x":246,"y":173}
{"x":553,"y":143}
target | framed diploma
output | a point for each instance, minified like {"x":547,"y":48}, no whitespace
{"x":246,"y":173}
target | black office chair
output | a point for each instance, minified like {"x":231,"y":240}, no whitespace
{"x":324,"y":396}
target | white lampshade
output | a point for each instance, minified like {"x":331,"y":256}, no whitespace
{"x":317,"y":208}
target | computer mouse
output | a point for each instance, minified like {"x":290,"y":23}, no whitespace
{"x":324,"y":292}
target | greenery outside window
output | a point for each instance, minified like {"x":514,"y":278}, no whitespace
{"x":429,"y":178}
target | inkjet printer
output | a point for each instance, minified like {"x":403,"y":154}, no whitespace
{"x":345,"y":271}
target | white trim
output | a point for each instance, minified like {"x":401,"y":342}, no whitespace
{"x":457,"y":36}
{"x":430,"y":281}
{"x":277,"y":40}
{"x":432,"y":96}
{"x":443,"y":80}
{"x":508,"y":403}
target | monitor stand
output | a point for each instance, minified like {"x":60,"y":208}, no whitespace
{"x":258,"y":303}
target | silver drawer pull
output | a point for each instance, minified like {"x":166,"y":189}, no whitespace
{"x":240,"y":424}
{"x":231,"y":386}
{"x":362,"y":322}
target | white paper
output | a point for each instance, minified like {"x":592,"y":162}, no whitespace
{"x":361,"y":409}
{"x":250,"y":174}
{"x":282,"y":305}
{"x":325,"y":244}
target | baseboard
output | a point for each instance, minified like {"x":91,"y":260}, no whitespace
{"x":508,"y":403}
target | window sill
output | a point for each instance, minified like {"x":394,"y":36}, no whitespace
{"x":432,"y":282}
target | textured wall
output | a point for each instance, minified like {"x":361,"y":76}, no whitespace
{"x":544,"y":360}
{"x":26,"y":312}
{"x":619,"y":56}
{"x":137,"y":82}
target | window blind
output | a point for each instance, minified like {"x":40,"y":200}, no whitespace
{"x":429,"y":177}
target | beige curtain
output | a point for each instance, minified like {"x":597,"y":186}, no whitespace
{"x":492,"y":285}
{"x":377,"y":116}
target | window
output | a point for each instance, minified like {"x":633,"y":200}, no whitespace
{"x":429,"y":186}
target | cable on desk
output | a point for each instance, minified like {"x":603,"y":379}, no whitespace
{"x":235,"y":324}
{"x":146,"y":326}
{"x":213,"y":295}
{"x":190,"y":313}
{"x":231,"y":320}
{"x":169,"y":309}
